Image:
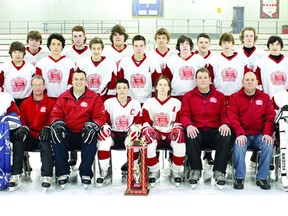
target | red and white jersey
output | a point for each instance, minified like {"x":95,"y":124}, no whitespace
{"x":34,"y":58}
{"x":227,"y":73}
{"x":182,"y":72}
{"x":280,"y":99}
{"x":161,"y":115}
{"x":161,"y":58}
{"x":74,"y":54}
{"x":16,"y":80}
{"x":8,"y":104}
{"x":111,"y":52}
{"x":120,"y":117}
{"x":101,"y":76}
{"x":255,"y":54}
{"x":273,"y":74}
{"x":141,"y":76}
{"x":208,"y":56}
{"x":57,"y":74}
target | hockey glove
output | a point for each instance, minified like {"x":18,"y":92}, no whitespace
{"x":58,"y":132}
{"x":176,"y":134}
{"x":134,"y":132}
{"x":89,"y":131}
{"x":45,"y":134}
{"x":105,"y":132}
{"x":149,"y":133}
{"x":21,"y":133}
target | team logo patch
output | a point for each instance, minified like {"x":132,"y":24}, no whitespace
{"x":161,"y":119}
{"x":94,"y":80}
{"x":213,"y":100}
{"x":259,"y":102}
{"x":138,"y":80}
{"x":229,"y":74}
{"x":278,"y":78}
{"x":43,"y":109}
{"x":18,"y":84}
{"x":186,"y":73}
{"x":55,"y":75}
{"x":83,"y":104}
{"x":122,"y":122}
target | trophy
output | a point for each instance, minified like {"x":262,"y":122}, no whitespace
{"x":137,"y":175}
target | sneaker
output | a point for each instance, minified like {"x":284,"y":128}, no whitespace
{"x":208,"y":158}
{"x":86,"y":180}
{"x":175,"y":178}
{"x":263,"y":184}
{"x":124,"y":169}
{"x":45,"y":181}
{"x":154,"y":177}
{"x":73,"y":158}
{"x":194,"y":178}
{"x":13,"y":183}
{"x":219,"y":179}
{"x":239,"y":184}
{"x":62,"y":180}
{"x":104,"y":179}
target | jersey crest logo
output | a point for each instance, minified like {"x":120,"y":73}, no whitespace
{"x":161,"y":119}
{"x":94,"y":80}
{"x":186,"y":73}
{"x":43,"y":109}
{"x":138,"y":80}
{"x":213,"y":100}
{"x":121,"y":123}
{"x":259,"y":102}
{"x":229,"y":74}
{"x":278,"y":78}
{"x":18,"y":84}
{"x":84,"y":104}
{"x":55,"y":75}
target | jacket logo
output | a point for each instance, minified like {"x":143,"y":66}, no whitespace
{"x":83,"y":104}
{"x":43,"y":109}
{"x":213,"y":100}
{"x":259,"y":102}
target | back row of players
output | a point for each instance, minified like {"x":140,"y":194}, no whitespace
{"x":103,"y":67}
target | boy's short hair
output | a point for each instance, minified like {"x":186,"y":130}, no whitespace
{"x":226,"y":37}
{"x":123,"y":80}
{"x":78,"y":28}
{"x":57,"y":37}
{"x":80,"y":71}
{"x":272,"y":39}
{"x":138,"y":38}
{"x":120,"y":30}
{"x":38,"y":77}
{"x":204,"y":35}
{"x":241,"y":35}
{"x":162,"y":31}
{"x":96,"y":40}
{"x":203,"y":70}
{"x":17,"y":46}
{"x":36,"y":35}
{"x":182,"y":39}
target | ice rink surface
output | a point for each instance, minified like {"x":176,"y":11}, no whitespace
{"x":164,"y":198}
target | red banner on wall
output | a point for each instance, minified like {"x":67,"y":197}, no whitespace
{"x":269,"y":9}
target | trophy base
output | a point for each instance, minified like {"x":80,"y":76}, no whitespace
{"x":136,"y":192}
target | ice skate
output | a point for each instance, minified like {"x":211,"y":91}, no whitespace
{"x":124,"y":169}
{"x":175,"y":178}
{"x":104,"y":179}
{"x":86,"y":181}
{"x":154,"y":177}
{"x":62,"y":180}
{"x":13,"y":183}
{"x":194,"y":178}
{"x":219,"y":179}
{"x":45,"y":182}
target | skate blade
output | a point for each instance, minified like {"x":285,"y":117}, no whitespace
{"x":63,"y":186}
{"x":45,"y":189}
{"x":193,"y":186}
{"x":11,"y":189}
{"x":177,"y":184}
{"x":220,"y":187}
{"x":85,"y":186}
{"x":104,"y":183}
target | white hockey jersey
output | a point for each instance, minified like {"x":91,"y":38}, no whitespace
{"x":281,"y":98}
{"x":74,"y":54}
{"x":57,"y":74}
{"x":120,"y":117}
{"x":17,"y":80}
{"x":161,"y":115}
{"x":110,"y":52}
{"x":34,"y":58}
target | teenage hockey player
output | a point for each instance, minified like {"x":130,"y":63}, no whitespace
{"x":161,"y":123}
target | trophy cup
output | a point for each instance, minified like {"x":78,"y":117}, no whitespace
{"x":137,"y":175}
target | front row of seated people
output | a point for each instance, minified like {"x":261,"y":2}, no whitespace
{"x":80,"y":120}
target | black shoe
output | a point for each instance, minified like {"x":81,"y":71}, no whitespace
{"x":263,"y":184}
{"x":73,"y":158}
{"x":238,"y":184}
{"x":208,"y":157}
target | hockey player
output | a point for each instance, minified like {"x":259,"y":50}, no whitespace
{"x":140,"y":70}
{"x":34,"y":51}
{"x":251,"y":115}
{"x":34,"y":133}
{"x":203,"y":115}
{"x":122,"y":115}
{"x":16,"y":75}
{"x":75,"y":120}
{"x":160,"y":124}
{"x":78,"y":50}
{"x":56,"y":69}
{"x":100,"y":70}
{"x":162,"y":52}
{"x":180,"y":68}
{"x":118,"y":49}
